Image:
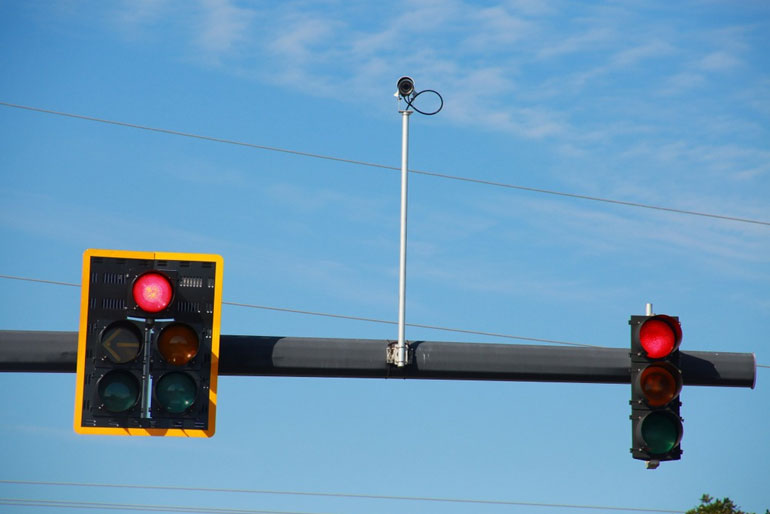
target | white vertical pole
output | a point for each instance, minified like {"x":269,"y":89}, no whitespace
{"x":401,"y":358}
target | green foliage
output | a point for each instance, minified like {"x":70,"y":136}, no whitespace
{"x":710,"y":505}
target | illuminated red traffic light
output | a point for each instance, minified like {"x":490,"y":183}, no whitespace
{"x":659,"y":336}
{"x":153,"y":292}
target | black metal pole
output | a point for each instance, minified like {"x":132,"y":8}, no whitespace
{"x":36,"y":351}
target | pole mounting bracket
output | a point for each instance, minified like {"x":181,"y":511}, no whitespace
{"x":396,"y":357}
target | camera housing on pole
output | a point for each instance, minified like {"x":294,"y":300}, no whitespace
{"x":405,"y":87}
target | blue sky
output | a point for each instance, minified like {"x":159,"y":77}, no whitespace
{"x":657,"y":103}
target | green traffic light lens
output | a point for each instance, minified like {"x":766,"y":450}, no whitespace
{"x":176,"y":392}
{"x":661,"y":432}
{"x":118,"y":390}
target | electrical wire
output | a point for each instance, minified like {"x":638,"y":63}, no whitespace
{"x":346,"y":496}
{"x":42,"y":281}
{"x":69,"y":504}
{"x":416,"y":325}
{"x":344,"y":316}
{"x":410,"y":102}
{"x":382,"y":166}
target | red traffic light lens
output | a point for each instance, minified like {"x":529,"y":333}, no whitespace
{"x":659,"y":336}
{"x":178,"y":344}
{"x":152,"y":292}
{"x":660,"y":383}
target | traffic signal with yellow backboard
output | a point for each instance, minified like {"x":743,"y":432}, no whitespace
{"x":656,"y":381}
{"x":148,"y":343}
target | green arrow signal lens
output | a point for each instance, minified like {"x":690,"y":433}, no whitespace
{"x":118,"y":390}
{"x":661,"y":432}
{"x":176,"y":392}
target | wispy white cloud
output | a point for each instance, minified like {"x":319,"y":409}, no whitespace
{"x":716,"y":247}
{"x":712,"y":162}
{"x":536,"y":69}
{"x":312,"y":201}
{"x":681,"y":82}
{"x":496,"y":28}
{"x":532,"y":7}
{"x":719,"y":61}
{"x":137,"y":12}
{"x":72,"y":222}
{"x":647,"y":50}
{"x":222,"y":26}
{"x":210,"y":28}
{"x":590,"y":39}
{"x":302,"y":38}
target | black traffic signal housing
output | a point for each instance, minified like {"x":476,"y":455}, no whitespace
{"x":148,"y":343}
{"x":656,"y":382}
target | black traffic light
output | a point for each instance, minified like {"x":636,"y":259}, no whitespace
{"x":148,"y":344}
{"x":656,"y":381}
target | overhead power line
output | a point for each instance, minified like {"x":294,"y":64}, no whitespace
{"x":70,"y":504}
{"x":344,"y":316}
{"x":344,"y":495}
{"x":40,"y":280}
{"x":382,"y":166}
{"x":416,"y":325}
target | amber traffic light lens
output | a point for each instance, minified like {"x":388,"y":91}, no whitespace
{"x":660,"y":384}
{"x":178,"y":344}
